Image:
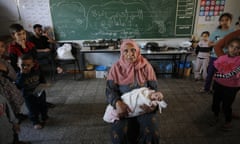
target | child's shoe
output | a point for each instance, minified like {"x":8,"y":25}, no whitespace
{"x":37,"y":126}
{"x":227,"y":126}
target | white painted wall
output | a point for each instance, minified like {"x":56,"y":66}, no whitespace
{"x":8,"y":14}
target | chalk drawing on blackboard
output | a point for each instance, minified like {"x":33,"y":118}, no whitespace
{"x":68,"y":19}
{"x":112,"y":19}
{"x":126,"y":21}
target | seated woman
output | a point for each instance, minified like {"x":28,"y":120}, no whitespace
{"x":132,"y":71}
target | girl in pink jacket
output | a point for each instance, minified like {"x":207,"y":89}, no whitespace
{"x":227,"y":82}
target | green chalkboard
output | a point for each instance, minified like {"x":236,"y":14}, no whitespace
{"x":111,"y":19}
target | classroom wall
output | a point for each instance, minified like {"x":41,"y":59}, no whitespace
{"x":30,"y":12}
{"x":231,"y":6}
{"x":8,"y":14}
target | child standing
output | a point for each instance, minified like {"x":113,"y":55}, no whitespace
{"x":29,"y":80}
{"x":203,"y":53}
{"x":227,"y":82}
{"x":223,"y":29}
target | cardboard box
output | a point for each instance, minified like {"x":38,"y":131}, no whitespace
{"x":187,"y":72}
{"x":89,"y":74}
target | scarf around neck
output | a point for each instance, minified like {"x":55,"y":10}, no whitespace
{"x":125,"y":73}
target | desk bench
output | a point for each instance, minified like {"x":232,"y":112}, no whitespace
{"x":175,"y":56}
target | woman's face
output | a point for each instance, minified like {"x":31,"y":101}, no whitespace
{"x":2,"y":48}
{"x":129,"y":53}
{"x":234,"y":48}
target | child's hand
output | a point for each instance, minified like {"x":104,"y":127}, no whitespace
{"x":22,"y":43}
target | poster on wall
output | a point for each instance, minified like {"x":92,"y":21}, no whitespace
{"x":210,"y":9}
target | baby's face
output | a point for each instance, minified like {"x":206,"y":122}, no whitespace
{"x":158,"y":96}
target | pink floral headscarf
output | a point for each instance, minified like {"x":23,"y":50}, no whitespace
{"x":124,"y":72}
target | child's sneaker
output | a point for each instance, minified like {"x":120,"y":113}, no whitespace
{"x":37,"y":126}
{"x":227,"y":126}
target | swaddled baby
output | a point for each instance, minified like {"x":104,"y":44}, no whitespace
{"x":135,"y":99}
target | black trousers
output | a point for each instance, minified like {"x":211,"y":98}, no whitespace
{"x":225,"y":96}
{"x":37,"y":106}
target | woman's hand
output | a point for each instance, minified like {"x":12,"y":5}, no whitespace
{"x":122,"y":109}
{"x":148,"y":109}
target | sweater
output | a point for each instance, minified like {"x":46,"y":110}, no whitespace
{"x":226,"y":65}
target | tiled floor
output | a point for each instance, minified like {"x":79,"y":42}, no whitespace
{"x":77,"y":118}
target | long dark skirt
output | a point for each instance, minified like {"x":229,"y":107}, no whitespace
{"x":138,"y":130}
